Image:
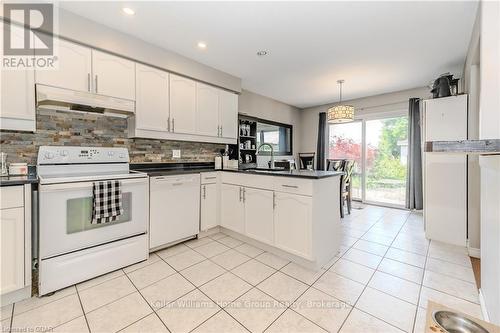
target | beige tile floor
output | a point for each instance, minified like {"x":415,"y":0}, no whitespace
{"x":380,"y":281}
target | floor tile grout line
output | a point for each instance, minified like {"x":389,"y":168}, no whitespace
{"x":309,"y":287}
{"x":366,"y":286}
{"x":98,"y":284}
{"x":420,"y":291}
{"x":449,"y":262}
{"x":83,"y":310}
{"x":152,"y":309}
{"x":11,"y":317}
{"x":451,"y":277}
{"x":39,"y":306}
{"x":140,"y":262}
{"x":201,"y":291}
{"x":448,"y":294}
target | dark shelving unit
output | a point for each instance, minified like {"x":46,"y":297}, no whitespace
{"x":247,"y":132}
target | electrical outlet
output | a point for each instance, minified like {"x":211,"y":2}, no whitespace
{"x":176,"y":153}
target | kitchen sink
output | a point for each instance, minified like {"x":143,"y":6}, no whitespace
{"x":453,"y":322}
{"x":267,"y":170}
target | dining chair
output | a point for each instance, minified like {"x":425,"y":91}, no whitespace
{"x":307,"y":159}
{"x":346,"y":188}
{"x":335,"y":164}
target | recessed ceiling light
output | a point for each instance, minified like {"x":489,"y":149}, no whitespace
{"x":202,"y":45}
{"x":128,"y":11}
{"x":262,"y":53}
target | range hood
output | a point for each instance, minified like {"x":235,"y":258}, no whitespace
{"x":54,"y":98}
{"x":475,"y":147}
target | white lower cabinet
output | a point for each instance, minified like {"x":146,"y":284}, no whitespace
{"x":259,"y":212}
{"x":15,"y":243}
{"x":292,"y":223}
{"x":12,"y":254}
{"x":172,"y":217}
{"x":232,"y":208}
{"x":208,"y":206}
{"x":283,"y":220}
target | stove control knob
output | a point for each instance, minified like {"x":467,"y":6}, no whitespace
{"x":111,"y":153}
{"x":122,"y":155}
{"x":64,"y":153}
{"x":49,"y":155}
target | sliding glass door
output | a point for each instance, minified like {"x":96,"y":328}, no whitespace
{"x":379,"y":146}
{"x":386,"y":157}
{"x":345,"y":142}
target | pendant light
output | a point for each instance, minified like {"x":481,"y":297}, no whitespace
{"x":340,"y":113}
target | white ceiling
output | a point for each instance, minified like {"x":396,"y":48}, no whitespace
{"x":377,"y":47}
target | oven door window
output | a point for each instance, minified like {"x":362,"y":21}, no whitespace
{"x":79,"y":214}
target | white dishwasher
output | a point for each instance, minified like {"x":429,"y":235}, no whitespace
{"x":174,"y":209}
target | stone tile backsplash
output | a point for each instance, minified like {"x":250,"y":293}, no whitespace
{"x":59,"y":128}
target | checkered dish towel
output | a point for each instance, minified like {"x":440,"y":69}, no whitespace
{"x":107,"y":197}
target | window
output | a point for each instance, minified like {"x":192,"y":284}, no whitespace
{"x":279,"y":136}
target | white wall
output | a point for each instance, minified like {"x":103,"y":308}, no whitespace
{"x":379,"y":104}
{"x":84,"y":31}
{"x":255,"y":105}
{"x":470,"y":85}
{"x":489,"y":128}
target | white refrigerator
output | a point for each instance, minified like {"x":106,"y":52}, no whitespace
{"x":445,"y":175}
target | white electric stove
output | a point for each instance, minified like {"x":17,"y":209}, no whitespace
{"x":71,"y":249}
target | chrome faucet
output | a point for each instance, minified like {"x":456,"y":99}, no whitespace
{"x":272,"y":153}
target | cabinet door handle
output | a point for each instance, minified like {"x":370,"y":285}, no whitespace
{"x":173,"y":124}
{"x":240,"y":193}
{"x":274,"y":200}
{"x":88,"y":82}
{"x":168,"y":126}
{"x":176,"y":184}
{"x":96,"y":84}
{"x":221,"y":131}
{"x":290,"y":186}
{"x":244,"y":195}
{"x":204,"y":191}
{"x":211,"y":177}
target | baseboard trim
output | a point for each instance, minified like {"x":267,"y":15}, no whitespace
{"x":474,"y":252}
{"x":484,"y":311}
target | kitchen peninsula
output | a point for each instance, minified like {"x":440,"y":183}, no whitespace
{"x":293,"y":214}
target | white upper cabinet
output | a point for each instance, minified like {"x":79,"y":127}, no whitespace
{"x":207,"y":110}
{"x":73,"y":68}
{"x":113,"y":76}
{"x":17,"y":98}
{"x":228,"y":114}
{"x":259,"y":212}
{"x":182,"y":105}
{"x":151,"y":105}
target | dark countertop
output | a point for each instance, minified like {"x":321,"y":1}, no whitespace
{"x":18,"y":180}
{"x":310,"y":174}
{"x":170,"y":169}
